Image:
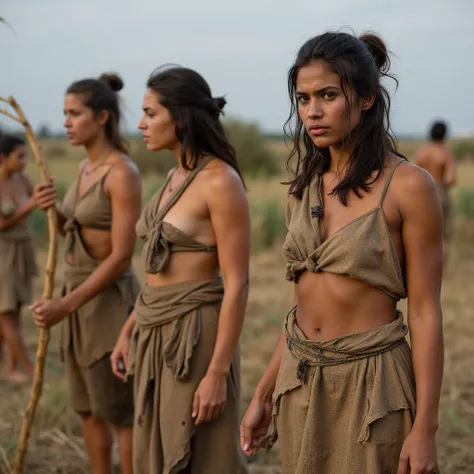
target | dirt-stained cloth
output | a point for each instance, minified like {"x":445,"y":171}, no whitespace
{"x":344,"y":406}
{"x":172,"y":346}
{"x":18,"y":267}
{"x":92,"y":331}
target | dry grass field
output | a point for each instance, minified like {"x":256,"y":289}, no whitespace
{"x":56,"y":445}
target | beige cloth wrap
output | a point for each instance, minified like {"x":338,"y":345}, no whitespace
{"x":344,"y":406}
{"x":446,"y":205}
{"x":362,"y":249}
{"x":171,"y":349}
{"x":17,"y":268}
{"x":92,"y":331}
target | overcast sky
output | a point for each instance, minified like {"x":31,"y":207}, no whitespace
{"x":243,"y":48}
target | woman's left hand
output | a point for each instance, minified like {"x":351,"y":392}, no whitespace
{"x":419,"y":455}
{"x":209,"y":398}
{"x":48,"y":312}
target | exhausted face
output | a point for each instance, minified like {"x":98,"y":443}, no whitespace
{"x":322,"y":105}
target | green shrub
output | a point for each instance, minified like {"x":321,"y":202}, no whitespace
{"x":465,"y":203}
{"x":463,"y":149}
{"x":253,"y":154}
{"x":268,"y":224}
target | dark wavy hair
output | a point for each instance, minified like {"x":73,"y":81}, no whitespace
{"x":102,"y":94}
{"x":188,"y":98}
{"x":361,"y":63}
{"x":8,"y":143}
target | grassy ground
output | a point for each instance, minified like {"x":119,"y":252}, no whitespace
{"x":56,"y":445}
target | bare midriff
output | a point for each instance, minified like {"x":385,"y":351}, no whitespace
{"x":98,"y":243}
{"x":331,"y":305}
{"x":186,"y":266}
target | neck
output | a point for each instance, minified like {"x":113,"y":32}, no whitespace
{"x":339,"y":159}
{"x":98,"y":149}
{"x":176,"y":150}
{"x":5,"y":173}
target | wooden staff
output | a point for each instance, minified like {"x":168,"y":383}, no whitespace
{"x":29,"y":414}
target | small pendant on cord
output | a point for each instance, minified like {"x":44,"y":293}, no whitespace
{"x":317,"y":211}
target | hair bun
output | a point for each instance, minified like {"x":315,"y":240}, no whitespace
{"x":113,"y":80}
{"x":218,"y":104}
{"x":378,"y":50}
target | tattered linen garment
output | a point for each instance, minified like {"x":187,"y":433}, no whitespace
{"x":345,"y":405}
{"x":172,"y":346}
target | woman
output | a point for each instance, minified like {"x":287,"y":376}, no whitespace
{"x":17,"y":253}
{"x":100,"y":286}
{"x":189,"y":314}
{"x":364,"y":230}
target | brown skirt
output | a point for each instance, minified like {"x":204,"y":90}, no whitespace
{"x":344,"y":406}
{"x":171,"y":350}
{"x":17,"y":271}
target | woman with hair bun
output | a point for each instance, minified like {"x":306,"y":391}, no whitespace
{"x":100,"y":286}
{"x":364,"y":231}
{"x":186,"y":325}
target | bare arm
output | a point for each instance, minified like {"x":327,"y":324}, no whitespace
{"x":124,"y":188}
{"x":422,"y":240}
{"x":450,"y":170}
{"x":230,"y":220}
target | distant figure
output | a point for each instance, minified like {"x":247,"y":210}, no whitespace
{"x":435,"y":158}
{"x":17,"y":254}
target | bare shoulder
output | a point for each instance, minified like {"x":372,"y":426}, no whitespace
{"x":411,"y":183}
{"x":124,"y":172}
{"x":220,"y":177}
{"x":447,"y":155}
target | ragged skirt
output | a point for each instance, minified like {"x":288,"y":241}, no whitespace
{"x":344,"y":406}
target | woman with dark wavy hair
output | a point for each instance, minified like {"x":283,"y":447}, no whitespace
{"x":189,"y":314}
{"x":364,"y":231}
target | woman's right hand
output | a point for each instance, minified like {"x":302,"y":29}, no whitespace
{"x":119,"y":357}
{"x":254,"y":426}
{"x":45,"y":195}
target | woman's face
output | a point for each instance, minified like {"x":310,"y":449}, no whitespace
{"x":16,"y":160}
{"x":322,"y":105}
{"x":157,"y":125}
{"x":83,"y":126}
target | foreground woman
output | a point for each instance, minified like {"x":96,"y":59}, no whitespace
{"x":364,"y":230}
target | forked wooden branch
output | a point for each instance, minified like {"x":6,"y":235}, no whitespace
{"x":29,"y":414}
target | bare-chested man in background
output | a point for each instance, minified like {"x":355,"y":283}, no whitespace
{"x":435,"y":158}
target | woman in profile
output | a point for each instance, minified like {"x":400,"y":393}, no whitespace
{"x":189,"y":314}
{"x":100,"y":286}
{"x":364,"y":231}
{"x":17,"y":255}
